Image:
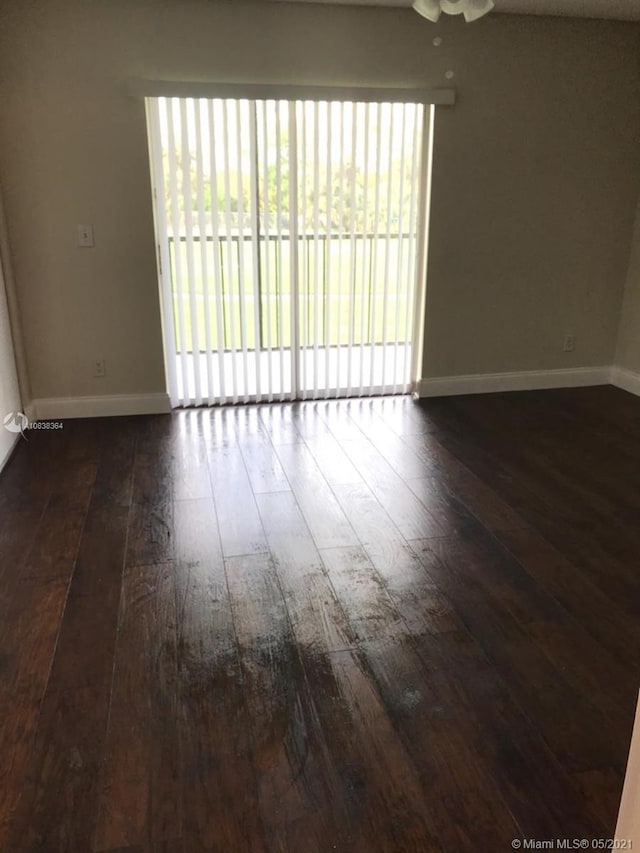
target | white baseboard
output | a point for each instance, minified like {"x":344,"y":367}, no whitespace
{"x":625,"y":379}
{"x":59,"y":408}
{"x":527,"y":380}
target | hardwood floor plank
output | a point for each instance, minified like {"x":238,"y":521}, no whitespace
{"x":151,"y":520}
{"x":612,"y":628}
{"x":331,"y":459}
{"x":113,"y":485}
{"x":564,"y":640}
{"x":307,"y":419}
{"x":543,"y":799}
{"x":335,"y":414}
{"x":263,"y":466}
{"x":371,"y":764}
{"x":449,"y":513}
{"x":573,"y":533}
{"x":30,"y":632}
{"x":240,"y":527}
{"x":602,"y":791}
{"x":33,"y":607}
{"x":190,"y":458}
{"x":321,"y":510}
{"x":58,"y":806}
{"x":409,"y":417}
{"x":572,"y":486}
{"x":298,"y":783}
{"x":27,"y":479}
{"x":318,"y":623}
{"x":173,"y":845}
{"x":445,"y":676}
{"x":101,"y":552}
{"x":86,"y":642}
{"x":19,"y":713}
{"x":405,"y":462}
{"x":218,"y":427}
{"x":26,"y":649}
{"x":523,"y":771}
{"x":583,"y":743}
{"x":362,"y":594}
{"x":469,"y":813}
{"x":410,"y":516}
{"x":386,"y":802}
{"x":428,"y":615}
{"x":608,"y":411}
{"x":53,"y":551}
{"x":17,"y":529}
{"x":280,"y":422}
{"x":217,"y":778}
{"x":485,"y":503}
{"x":140,"y":798}
{"x":435,"y":750}
{"x":421,"y":603}
{"x":72,"y":488}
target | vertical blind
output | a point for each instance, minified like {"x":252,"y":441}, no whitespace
{"x":288,"y":242}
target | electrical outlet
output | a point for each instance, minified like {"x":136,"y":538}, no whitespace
{"x":99,"y":368}
{"x":569,"y":344}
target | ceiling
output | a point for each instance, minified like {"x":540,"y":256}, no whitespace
{"x":617,"y":10}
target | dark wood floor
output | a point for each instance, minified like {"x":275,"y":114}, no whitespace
{"x":367,"y":625}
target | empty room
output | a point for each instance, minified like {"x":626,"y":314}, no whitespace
{"x":320,"y":426}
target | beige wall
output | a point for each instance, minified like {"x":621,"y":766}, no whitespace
{"x":536,"y":170}
{"x":628,"y":353}
{"x":9,"y":392}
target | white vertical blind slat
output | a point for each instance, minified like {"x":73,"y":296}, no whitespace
{"x":216,"y":249}
{"x":185,"y":110}
{"x":375,"y":229}
{"x":365,"y":249}
{"x":255,"y":241}
{"x":340,"y":247}
{"x":294,"y":246}
{"x":401,"y":221}
{"x":279,"y":283}
{"x":229,"y":244}
{"x":328,"y":247}
{"x":177,"y":254}
{"x":316,"y":244}
{"x":387,"y":253}
{"x":266,"y":270}
{"x":353,"y":266}
{"x":240,"y":247}
{"x":413,"y":207}
{"x":303,"y":289}
{"x":206,"y":393}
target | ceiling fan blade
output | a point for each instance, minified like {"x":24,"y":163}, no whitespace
{"x":429,"y":9}
{"x":476,"y":9}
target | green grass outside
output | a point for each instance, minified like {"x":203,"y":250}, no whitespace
{"x":340,"y":269}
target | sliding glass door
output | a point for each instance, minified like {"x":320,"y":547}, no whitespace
{"x":288,"y":243}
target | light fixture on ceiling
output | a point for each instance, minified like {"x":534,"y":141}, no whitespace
{"x":471,"y":9}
